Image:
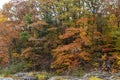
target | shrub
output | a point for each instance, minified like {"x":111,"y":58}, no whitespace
{"x":42,"y":76}
{"x":13,"y":68}
{"x":78,"y":72}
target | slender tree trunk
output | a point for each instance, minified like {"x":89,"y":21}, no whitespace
{"x":10,"y":56}
{"x":118,"y":24}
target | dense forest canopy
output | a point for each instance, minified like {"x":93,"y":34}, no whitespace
{"x":60,"y":35}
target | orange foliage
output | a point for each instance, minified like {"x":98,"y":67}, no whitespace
{"x":65,"y":62}
{"x":7,"y":34}
{"x":68,"y":56}
{"x":82,"y":20}
{"x":84,"y":55}
{"x":69,"y":32}
{"x":4,"y":59}
{"x":67,"y":47}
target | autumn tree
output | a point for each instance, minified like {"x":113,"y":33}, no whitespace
{"x":61,"y":34}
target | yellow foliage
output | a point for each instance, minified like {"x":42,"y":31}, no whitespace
{"x":118,"y":60}
{"x":15,"y":55}
{"x":112,"y":18}
{"x":2,"y":18}
{"x":104,"y":57}
{"x":94,"y":78}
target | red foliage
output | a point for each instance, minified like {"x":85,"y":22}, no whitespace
{"x":106,"y":50}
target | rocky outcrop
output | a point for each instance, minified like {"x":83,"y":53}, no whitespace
{"x":64,"y":78}
{"x":98,"y":75}
{"x":6,"y":79}
{"x":95,"y":75}
{"x":24,"y":76}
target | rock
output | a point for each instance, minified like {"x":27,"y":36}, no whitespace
{"x":64,"y":78}
{"x":98,"y":74}
{"x":94,"y":75}
{"x":28,"y":78}
{"x":24,"y":76}
{"x":6,"y":79}
{"x":102,"y":75}
{"x":21,"y":74}
{"x":115,"y":76}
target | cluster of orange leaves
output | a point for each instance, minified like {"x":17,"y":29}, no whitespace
{"x":65,"y":56}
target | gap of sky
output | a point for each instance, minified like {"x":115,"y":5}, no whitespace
{"x":2,"y":2}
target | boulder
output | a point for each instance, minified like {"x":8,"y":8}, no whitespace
{"x":28,"y":78}
{"x":98,"y":74}
{"x":21,"y":74}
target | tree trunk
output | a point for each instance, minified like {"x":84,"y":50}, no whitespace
{"x":10,"y":56}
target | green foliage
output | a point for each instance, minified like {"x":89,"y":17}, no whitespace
{"x":27,"y":18}
{"x":14,"y":68}
{"x":78,"y":72}
{"x":116,"y":38}
{"x":24,"y":35}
